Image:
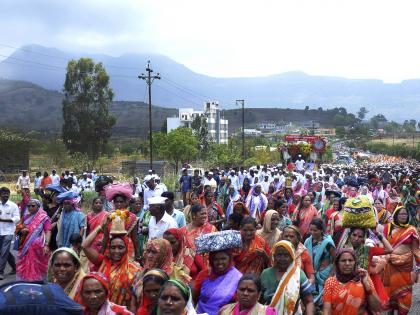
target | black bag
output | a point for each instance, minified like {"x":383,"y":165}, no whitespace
{"x":36,"y":298}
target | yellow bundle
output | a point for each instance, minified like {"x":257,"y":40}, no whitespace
{"x":358,"y":212}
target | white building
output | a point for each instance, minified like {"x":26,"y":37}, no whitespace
{"x":217,"y":126}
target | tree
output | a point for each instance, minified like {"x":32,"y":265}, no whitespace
{"x":87,"y":96}
{"x":180,"y":145}
{"x":361,"y":114}
{"x":201,"y":131}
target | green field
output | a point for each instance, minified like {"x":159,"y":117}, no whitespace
{"x":390,"y":141}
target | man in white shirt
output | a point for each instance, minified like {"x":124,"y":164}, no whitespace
{"x":178,"y":215}
{"x":234,"y":180}
{"x":55,"y":178}
{"x":37,"y":184}
{"x":210,"y":181}
{"x":23,"y":181}
{"x":9,"y":216}
{"x":85,"y":183}
{"x":300,"y":164}
{"x":152,"y":190}
{"x":160,"y":221}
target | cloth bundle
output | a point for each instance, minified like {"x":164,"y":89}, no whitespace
{"x":217,"y":241}
{"x":358,"y":212}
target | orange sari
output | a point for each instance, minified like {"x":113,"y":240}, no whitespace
{"x":248,"y":260}
{"x":192,"y":235}
{"x":346,"y":298}
{"x":397,"y":273}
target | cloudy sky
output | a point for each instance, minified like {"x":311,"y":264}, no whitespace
{"x":230,"y":38}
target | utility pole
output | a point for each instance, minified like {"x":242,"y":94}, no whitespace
{"x":149,"y":80}
{"x":243,"y":127}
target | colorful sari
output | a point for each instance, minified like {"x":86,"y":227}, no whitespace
{"x":94,"y":220}
{"x":257,"y":309}
{"x":216,"y":290}
{"x":271,"y":236}
{"x":32,"y":262}
{"x":121,"y":276}
{"x":184,"y":259}
{"x":70,"y":222}
{"x":320,"y":252}
{"x":256,"y":203}
{"x":283,"y":295}
{"x":304,"y":217}
{"x":72,"y":286}
{"x":397,"y":273}
{"x":247,"y":260}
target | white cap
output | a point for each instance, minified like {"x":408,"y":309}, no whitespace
{"x":157,"y":200}
{"x":156,"y":177}
{"x":93,"y":171}
{"x":84,"y":173}
{"x":210,"y":173}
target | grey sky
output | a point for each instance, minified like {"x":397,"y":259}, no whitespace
{"x":355,"y":39}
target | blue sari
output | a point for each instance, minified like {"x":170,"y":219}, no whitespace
{"x":70,"y":222}
{"x":320,"y":252}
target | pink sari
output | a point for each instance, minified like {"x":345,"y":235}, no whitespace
{"x":304,"y":217}
{"x":32,"y":263}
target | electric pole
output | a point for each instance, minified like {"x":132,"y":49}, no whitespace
{"x":149,"y":80}
{"x":243,"y":127}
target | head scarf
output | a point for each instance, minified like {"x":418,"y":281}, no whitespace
{"x":139,"y":285}
{"x":182,"y":287}
{"x":164,"y":257}
{"x":395,"y":218}
{"x":287,"y":292}
{"x":92,"y":275}
{"x":112,"y":190}
{"x":184,"y":256}
{"x":71,"y":287}
{"x":213,"y":274}
{"x":244,"y":208}
{"x":344,"y":278}
{"x":296,"y":229}
{"x":270,"y":235}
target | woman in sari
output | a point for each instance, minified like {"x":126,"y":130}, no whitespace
{"x":175,"y":299}
{"x":291,"y":233}
{"x":120,"y":194}
{"x":143,"y":217}
{"x":231,"y":199}
{"x":246,"y":188}
{"x":194,"y":200}
{"x":281,"y":207}
{"x":71,"y":221}
{"x":95,"y":218}
{"x":285,"y":283}
{"x":383,"y":215}
{"x":216,"y":287}
{"x":33,"y":252}
{"x":115,"y":265}
{"x":247,"y":293}
{"x":334,"y":218}
{"x":198,"y":226}
{"x":93,"y":295}
{"x":152,"y":283}
{"x":215,"y":214}
{"x":256,"y":201}
{"x":398,"y":275}
{"x":65,"y":269}
{"x":254,"y":256}
{"x":241,"y":208}
{"x":269,"y":231}
{"x":350,"y":291}
{"x":304,"y":215}
{"x":183,"y":254}
{"x":322,"y":250}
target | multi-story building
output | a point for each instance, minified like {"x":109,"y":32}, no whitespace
{"x":216,"y":124}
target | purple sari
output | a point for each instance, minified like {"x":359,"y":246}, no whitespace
{"x":218,"y":292}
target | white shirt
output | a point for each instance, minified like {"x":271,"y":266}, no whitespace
{"x":9,"y":210}
{"x":55,"y":179}
{"x":212,"y":183}
{"x":300,"y":164}
{"x":86,"y":184}
{"x":156,"y":230}
{"x":235,"y":182}
{"x":23,"y":182}
{"x":149,"y":193}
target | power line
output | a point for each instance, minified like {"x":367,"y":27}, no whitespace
{"x":63,"y":58}
{"x":187,"y":89}
{"x":177,"y":95}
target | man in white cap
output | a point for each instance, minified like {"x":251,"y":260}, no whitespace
{"x":55,"y":178}
{"x":85,"y":183}
{"x":152,"y":190}
{"x":160,"y":221}
{"x":210,"y":181}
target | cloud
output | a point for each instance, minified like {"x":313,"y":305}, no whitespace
{"x":357,"y":39}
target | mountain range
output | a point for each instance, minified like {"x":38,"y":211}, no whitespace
{"x":181,"y":87}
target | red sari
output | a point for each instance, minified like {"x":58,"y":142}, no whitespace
{"x":248,"y":260}
{"x":94,"y":220}
{"x":197,"y":232}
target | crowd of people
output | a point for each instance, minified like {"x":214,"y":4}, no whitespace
{"x":313,"y":239}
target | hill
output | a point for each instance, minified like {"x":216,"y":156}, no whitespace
{"x":26,"y":106}
{"x":181,"y":87}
